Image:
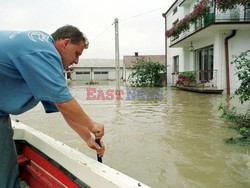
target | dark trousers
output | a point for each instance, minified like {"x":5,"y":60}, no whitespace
{"x":8,"y":155}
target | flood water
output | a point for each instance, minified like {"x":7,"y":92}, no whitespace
{"x":177,"y":141}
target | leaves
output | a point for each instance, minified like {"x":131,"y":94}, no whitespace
{"x":241,"y":121}
{"x":146,"y":73}
{"x":242,"y":65}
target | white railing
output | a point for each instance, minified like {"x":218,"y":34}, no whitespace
{"x":236,"y":15}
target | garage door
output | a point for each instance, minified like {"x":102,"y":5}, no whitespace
{"x":83,"y":75}
{"x":102,"y":75}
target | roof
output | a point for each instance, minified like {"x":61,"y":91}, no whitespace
{"x":97,"y":63}
{"x":128,"y":60}
{"x":178,"y":3}
{"x":164,"y":14}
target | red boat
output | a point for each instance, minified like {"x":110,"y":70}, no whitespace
{"x":46,"y":162}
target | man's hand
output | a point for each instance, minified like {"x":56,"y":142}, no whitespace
{"x":82,"y":124}
{"x":93,"y":145}
{"x":97,"y":130}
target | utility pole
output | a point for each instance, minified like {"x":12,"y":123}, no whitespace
{"x":117,"y":55}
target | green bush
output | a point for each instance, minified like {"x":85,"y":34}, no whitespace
{"x":241,"y":122}
{"x":242,"y":63}
{"x":146,"y":73}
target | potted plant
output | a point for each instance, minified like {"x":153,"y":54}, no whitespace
{"x":186,"y":79}
{"x":225,"y":5}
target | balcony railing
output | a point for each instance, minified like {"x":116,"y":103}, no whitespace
{"x":207,"y":78}
{"x":237,"y":15}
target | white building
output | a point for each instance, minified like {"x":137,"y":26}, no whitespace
{"x":208,"y":46}
{"x":95,"y":70}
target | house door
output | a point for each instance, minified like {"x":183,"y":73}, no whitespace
{"x":176,"y":64}
{"x":101,"y":75}
{"x":82,"y":75}
{"x":205,"y":63}
{"x":175,"y":70}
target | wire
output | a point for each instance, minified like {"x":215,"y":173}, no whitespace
{"x":128,"y":18}
{"x":142,"y":14}
{"x":101,"y":33}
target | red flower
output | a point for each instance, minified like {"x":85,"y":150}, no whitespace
{"x":199,"y":10}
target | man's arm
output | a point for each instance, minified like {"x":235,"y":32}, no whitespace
{"x":81,"y":123}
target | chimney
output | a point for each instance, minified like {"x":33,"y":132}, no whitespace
{"x":136,"y":54}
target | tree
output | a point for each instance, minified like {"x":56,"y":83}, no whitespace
{"x":242,"y":63}
{"x":146,"y":73}
{"x":241,"y":121}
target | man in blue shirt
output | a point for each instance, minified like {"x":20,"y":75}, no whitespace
{"x":31,"y":71}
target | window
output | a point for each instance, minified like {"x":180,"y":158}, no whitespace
{"x":247,"y":12}
{"x":101,"y":72}
{"x":176,"y":64}
{"x":176,"y":21}
{"x":82,"y":72}
{"x":79,"y":72}
{"x":175,"y":10}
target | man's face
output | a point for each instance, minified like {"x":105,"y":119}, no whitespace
{"x":71,"y":52}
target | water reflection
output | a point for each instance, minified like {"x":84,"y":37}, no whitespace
{"x":173,"y":142}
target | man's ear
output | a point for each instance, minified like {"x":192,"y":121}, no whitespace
{"x":66,"y":42}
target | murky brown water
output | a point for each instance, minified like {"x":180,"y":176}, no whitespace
{"x":174,"y":142}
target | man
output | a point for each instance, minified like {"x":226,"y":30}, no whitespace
{"x":31,"y":71}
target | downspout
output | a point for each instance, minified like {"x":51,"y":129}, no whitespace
{"x":166,"y":45}
{"x":227,"y":60}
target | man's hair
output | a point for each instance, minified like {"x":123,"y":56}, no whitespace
{"x":72,"y":32}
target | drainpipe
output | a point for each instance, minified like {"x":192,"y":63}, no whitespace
{"x":166,"y":46}
{"x":227,"y":60}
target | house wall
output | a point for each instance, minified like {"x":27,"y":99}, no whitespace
{"x":239,"y":43}
{"x":172,"y":52}
{"x":128,"y":72}
{"x":219,"y":59}
{"x":189,"y":63}
{"x":111,"y":72}
{"x":171,"y":18}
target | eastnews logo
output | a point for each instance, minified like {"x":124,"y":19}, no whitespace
{"x":129,"y":94}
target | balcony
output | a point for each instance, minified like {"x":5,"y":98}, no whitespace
{"x":202,"y":81}
{"x":218,"y":20}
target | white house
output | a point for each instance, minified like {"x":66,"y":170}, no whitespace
{"x":95,"y":70}
{"x":206,"y":46}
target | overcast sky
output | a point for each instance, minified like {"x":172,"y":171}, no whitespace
{"x":141,"y":25}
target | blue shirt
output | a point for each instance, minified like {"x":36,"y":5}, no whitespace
{"x":31,"y":70}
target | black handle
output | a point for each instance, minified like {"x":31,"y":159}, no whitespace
{"x":99,"y":159}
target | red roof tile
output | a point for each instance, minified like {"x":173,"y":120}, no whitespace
{"x":128,"y":60}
